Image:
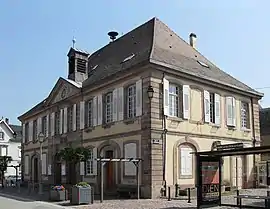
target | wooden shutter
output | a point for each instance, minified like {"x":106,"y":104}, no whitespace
{"x":206,"y":96}
{"x":100,"y":109}
{"x":120,"y":103}
{"x":61,"y":122}
{"x":166,"y":96}
{"x":31,"y":131}
{"x":65,"y":120}
{"x":217,"y":109}
{"x":82,"y":168}
{"x":47,"y":125}
{"x":23,"y":133}
{"x":74,"y":117}
{"x":186,"y":102}
{"x":94,"y":161}
{"x":233,"y":111}
{"x":115,"y":105}
{"x":26,"y":165}
{"x":139,"y":97}
{"x":52,"y":123}
{"x":82,"y":118}
{"x":95,"y":111}
{"x":229,"y":111}
{"x":39,"y":126}
{"x":186,"y":161}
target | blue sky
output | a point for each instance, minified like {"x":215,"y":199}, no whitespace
{"x":35,"y":37}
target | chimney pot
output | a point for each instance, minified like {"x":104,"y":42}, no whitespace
{"x":7,"y":120}
{"x":192,"y":40}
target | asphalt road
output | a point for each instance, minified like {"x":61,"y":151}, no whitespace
{"x":7,"y":202}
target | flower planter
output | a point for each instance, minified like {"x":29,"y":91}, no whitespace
{"x":80,"y":195}
{"x":56,"y":195}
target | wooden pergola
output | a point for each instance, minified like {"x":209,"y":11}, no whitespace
{"x":103,"y":161}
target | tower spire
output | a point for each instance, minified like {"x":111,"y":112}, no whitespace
{"x":73,"y":42}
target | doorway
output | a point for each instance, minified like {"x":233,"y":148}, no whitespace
{"x":57,"y":176}
{"x":109,"y":170}
{"x":35,"y":170}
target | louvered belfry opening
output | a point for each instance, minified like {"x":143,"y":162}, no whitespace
{"x":71,"y":65}
{"x":81,"y":65}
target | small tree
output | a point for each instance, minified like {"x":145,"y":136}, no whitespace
{"x":73,"y":156}
{"x":4,"y":160}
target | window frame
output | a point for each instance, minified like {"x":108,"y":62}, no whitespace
{"x":192,"y":149}
{"x":212,"y":110}
{"x":179,"y":99}
{"x":35,"y":134}
{"x":245,"y":122}
{"x":3,"y":135}
{"x":108,"y":117}
{"x":90,"y":163}
{"x":44,"y":124}
{"x":130,"y":104}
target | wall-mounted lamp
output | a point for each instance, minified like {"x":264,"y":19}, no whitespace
{"x":150,"y":92}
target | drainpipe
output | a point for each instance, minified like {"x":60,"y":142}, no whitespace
{"x":164,"y":139}
{"x":254,"y":144}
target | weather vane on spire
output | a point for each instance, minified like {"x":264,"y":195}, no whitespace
{"x":73,"y":42}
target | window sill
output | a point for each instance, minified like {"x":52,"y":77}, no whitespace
{"x":129,"y":121}
{"x":231,"y":128}
{"x":89,"y":129}
{"x":215,"y":125}
{"x":107,"y":125}
{"x":186,"y":176}
{"x":175,"y":119}
{"x":245,"y":130}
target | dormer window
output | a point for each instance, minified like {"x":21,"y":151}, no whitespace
{"x":1,"y":135}
{"x":81,"y":65}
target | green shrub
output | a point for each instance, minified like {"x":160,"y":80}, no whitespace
{"x":82,"y":184}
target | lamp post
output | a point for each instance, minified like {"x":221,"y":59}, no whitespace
{"x":41,"y":140}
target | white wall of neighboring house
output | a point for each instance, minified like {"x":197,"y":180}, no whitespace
{"x":10,"y":148}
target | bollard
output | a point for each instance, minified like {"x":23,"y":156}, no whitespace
{"x":189,"y":201}
{"x":176,"y":190}
{"x":238,"y":200}
{"x":169,"y":193}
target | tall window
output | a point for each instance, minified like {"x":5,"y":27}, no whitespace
{"x":35,"y":130}
{"x":1,"y":135}
{"x":174,"y":100}
{"x":186,"y":161}
{"x":89,"y":164}
{"x":26,"y":134}
{"x":212,"y":107}
{"x":89,"y":113}
{"x":44,"y":125}
{"x":57,"y":122}
{"x":245,"y":122}
{"x":109,"y":107}
{"x":131,"y":101}
{"x":69,"y":118}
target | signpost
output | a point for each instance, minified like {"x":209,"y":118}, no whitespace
{"x":209,"y":181}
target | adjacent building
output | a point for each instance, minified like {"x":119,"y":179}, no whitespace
{"x":10,"y":145}
{"x":106,"y":105}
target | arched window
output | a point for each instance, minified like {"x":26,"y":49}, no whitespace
{"x":186,"y":160}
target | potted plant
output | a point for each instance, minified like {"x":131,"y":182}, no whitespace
{"x":57,"y":193}
{"x":81,"y":193}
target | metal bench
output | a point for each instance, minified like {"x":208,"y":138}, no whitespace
{"x":240,"y":197}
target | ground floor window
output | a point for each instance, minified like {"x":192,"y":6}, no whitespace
{"x":186,"y":161}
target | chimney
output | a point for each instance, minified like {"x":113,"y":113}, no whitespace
{"x":7,"y":120}
{"x":192,"y":40}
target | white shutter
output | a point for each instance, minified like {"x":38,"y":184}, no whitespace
{"x":31,"y":131}
{"x":44,"y":164}
{"x":3,"y":151}
{"x":206,"y":96}
{"x":186,"y":102}
{"x":233,"y":111}
{"x":99,"y":119}
{"x":95,"y":111}
{"x":61,"y":122}
{"x":52,"y":123}
{"x":139,"y":97}
{"x":183,"y":161}
{"x":82,"y":117}
{"x":74,"y":116}
{"x":23,"y":133}
{"x":82,"y":168}
{"x":65,"y":120}
{"x":120,"y":103}
{"x":166,"y":96}
{"x":63,"y":169}
{"x":217,"y":109}
{"x":47,"y":126}
{"x":115,"y":104}
{"x":186,"y":161}
{"x":229,"y":111}
{"x":94,"y":161}
{"x":39,"y":126}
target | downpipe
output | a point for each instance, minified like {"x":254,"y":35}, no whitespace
{"x":164,"y":140}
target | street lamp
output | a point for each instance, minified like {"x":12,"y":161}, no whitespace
{"x":41,"y":138}
{"x":150,"y":92}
